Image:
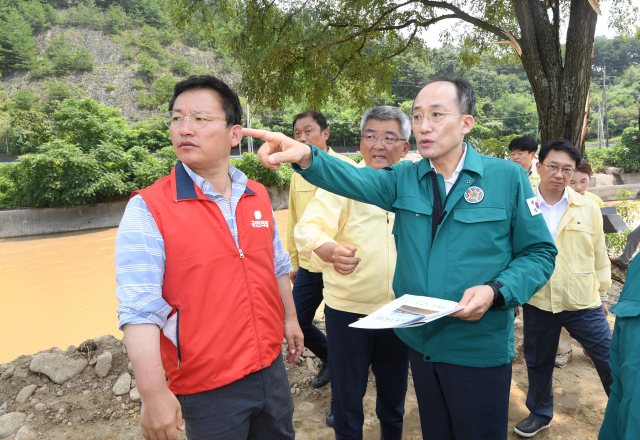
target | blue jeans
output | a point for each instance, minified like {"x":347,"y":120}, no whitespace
{"x":307,"y":295}
{"x":257,"y":407}
{"x":461,"y":403}
{"x":541,"y":335}
{"x":352,"y":351}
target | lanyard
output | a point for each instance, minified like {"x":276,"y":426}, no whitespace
{"x":438,"y":213}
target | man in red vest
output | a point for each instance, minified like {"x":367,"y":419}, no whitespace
{"x":203,"y":285}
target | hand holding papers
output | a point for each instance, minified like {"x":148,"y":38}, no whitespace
{"x":408,"y":311}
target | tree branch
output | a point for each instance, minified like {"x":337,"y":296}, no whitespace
{"x":459,"y":13}
{"x":405,"y":47}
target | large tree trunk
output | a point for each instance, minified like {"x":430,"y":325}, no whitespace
{"x":560,"y":87}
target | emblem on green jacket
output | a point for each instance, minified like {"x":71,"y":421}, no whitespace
{"x":474,"y":195}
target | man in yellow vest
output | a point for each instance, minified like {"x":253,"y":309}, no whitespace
{"x":576,"y":295}
{"x":352,"y":242}
{"x":309,"y":127}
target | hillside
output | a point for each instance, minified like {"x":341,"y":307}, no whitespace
{"x":111,"y":82}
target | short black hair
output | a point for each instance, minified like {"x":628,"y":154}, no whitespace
{"x":230,"y":102}
{"x":560,"y":145}
{"x":317,"y":116}
{"x":466,"y":96}
{"x":524,"y":143}
{"x":584,"y":167}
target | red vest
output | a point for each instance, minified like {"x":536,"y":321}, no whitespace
{"x":230,"y":315}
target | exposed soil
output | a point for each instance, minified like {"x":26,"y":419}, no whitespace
{"x":85,"y":407}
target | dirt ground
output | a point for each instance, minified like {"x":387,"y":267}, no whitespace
{"x":85,"y":407}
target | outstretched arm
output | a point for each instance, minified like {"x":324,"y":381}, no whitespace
{"x":364,"y":184}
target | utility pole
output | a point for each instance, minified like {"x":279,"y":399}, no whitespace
{"x":604,"y":103}
{"x":249,"y":139}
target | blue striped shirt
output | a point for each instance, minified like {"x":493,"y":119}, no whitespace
{"x":141,"y":260}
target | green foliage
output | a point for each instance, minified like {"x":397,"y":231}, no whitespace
{"x":60,"y":174}
{"x":60,"y":59}
{"x":17,"y":43}
{"x":25,"y":99}
{"x":252,"y":168}
{"x":116,"y":20}
{"x":493,"y":147}
{"x":625,"y":154}
{"x":110,"y":87}
{"x":181,"y":66}
{"x":357,"y":158}
{"x":160,"y":92}
{"x":28,"y":130}
{"x":616,"y":242}
{"x":59,"y":91}
{"x":86,"y":124}
{"x":151,"y":134}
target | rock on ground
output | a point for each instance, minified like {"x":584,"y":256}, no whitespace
{"x":103,"y":364}
{"x":123,"y":385}
{"x":10,"y":423}
{"x":25,"y":393}
{"x":26,"y":433}
{"x":59,"y":367}
{"x":134,"y":395}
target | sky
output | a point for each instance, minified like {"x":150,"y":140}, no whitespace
{"x":432,"y":34}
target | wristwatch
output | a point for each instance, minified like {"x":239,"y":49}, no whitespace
{"x":498,"y":299}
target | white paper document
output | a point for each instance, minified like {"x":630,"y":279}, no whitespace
{"x":408,"y":311}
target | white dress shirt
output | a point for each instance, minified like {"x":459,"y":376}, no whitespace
{"x":451,"y":181}
{"x":553,"y":213}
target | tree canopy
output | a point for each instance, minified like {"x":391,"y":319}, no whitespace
{"x":350,"y":49}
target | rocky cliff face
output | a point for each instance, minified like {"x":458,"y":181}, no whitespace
{"x":110,"y":68}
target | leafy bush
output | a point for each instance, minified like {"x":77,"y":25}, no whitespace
{"x":625,"y":154}
{"x":181,"y":66}
{"x":254,"y":170}
{"x":160,"y":92}
{"x":86,"y":124}
{"x":25,"y":99}
{"x":60,"y":59}
{"x":616,"y":242}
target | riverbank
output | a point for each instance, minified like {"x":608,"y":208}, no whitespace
{"x":93,"y":395}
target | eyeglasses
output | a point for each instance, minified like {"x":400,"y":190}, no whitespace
{"x":387,"y":139}
{"x":197,"y":119}
{"x":436,"y":116}
{"x":554,"y":169}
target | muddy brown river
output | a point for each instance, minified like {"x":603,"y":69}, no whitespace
{"x":58,"y":290}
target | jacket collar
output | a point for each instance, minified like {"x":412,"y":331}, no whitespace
{"x":186,"y":189}
{"x":575,"y":198}
{"x":472,"y":163}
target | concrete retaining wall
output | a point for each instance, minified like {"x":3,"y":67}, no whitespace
{"x":37,"y":221}
{"x":608,"y":193}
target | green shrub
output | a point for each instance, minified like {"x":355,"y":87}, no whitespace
{"x":86,"y":123}
{"x":616,"y":242}
{"x":181,"y":66}
{"x":254,"y":170}
{"x":110,"y":87}
{"x":625,"y":154}
{"x":25,"y":99}
{"x":9,"y":191}
{"x":356,"y":158}
{"x":160,"y":92}
{"x":60,"y":59}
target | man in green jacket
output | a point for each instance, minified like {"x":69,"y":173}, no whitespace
{"x":466,"y":229}
{"x":622,"y":418}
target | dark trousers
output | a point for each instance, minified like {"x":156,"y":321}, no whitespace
{"x":257,"y":407}
{"x":461,"y":403}
{"x":541,"y":335}
{"x":351,"y":352}
{"x":307,"y":295}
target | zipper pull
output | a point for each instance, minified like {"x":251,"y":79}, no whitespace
{"x":178,"y":365}
{"x":241,"y":254}
{"x":387,"y":217}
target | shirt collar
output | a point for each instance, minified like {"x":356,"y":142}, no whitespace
{"x":455,"y":174}
{"x":471,"y":161}
{"x":565,"y":196}
{"x":238,"y":182}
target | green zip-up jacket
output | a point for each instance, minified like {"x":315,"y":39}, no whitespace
{"x":497,"y":238}
{"x":622,"y":418}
